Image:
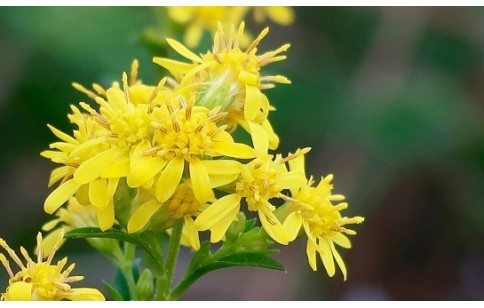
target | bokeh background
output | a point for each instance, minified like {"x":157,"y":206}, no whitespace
{"x":391,"y":100}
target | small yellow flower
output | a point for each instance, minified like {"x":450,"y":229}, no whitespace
{"x":282,"y":15}
{"x":260,"y":180}
{"x":230,"y":78}
{"x":182,"y":204}
{"x":42,"y":280}
{"x":311,"y":208}
{"x":201,"y":18}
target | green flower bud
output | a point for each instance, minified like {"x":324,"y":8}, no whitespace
{"x":145,"y":285}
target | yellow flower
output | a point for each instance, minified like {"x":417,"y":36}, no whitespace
{"x":186,"y":135}
{"x":260,"y":180}
{"x":201,"y":18}
{"x":282,"y":15}
{"x":42,"y":280}
{"x":230,"y":78}
{"x":311,"y":208}
{"x":182,"y":204}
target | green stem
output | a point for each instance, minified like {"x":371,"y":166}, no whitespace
{"x":127,"y":269}
{"x":164,"y":282}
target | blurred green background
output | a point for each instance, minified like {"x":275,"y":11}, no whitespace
{"x":391,"y":100}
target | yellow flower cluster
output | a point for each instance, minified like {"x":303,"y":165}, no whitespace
{"x":171,"y":146}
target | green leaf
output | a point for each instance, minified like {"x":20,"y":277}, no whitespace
{"x":237,"y":259}
{"x":122,"y":285}
{"x":251,"y":259}
{"x":115,"y":295}
{"x":91,"y":232}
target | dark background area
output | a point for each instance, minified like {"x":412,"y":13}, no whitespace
{"x":391,"y":100}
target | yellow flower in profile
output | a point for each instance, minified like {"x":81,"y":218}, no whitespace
{"x":230,"y":78}
{"x":201,"y":18}
{"x":311,"y":208}
{"x":42,"y":280}
{"x":182,"y":205}
{"x":260,"y":180}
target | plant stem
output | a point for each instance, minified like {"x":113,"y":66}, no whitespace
{"x":164,"y":283}
{"x":127,"y":269}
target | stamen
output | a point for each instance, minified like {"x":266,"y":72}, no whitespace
{"x":100,"y":90}
{"x":11,"y":253}
{"x":6,"y":264}
{"x":257,"y":40}
{"x":126,"y":89}
{"x":82,"y":89}
{"x":134,"y":72}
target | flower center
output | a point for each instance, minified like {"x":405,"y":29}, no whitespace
{"x":258,"y":182}
{"x":183,"y":201}
{"x":185,"y":132}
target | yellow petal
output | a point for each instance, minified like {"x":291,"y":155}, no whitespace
{"x":82,"y":195}
{"x":84,"y":294}
{"x":50,"y":224}
{"x":338,"y":259}
{"x":222,"y":166}
{"x":182,"y":50}
{"x":297,"y":164}
{"x":117,"y":98}
{"x":142,"y":215}
{"x":221,"y":180}
{"x":292,"y":224}
{"x":105,"y":216}
{"x":169,"y":179}
{"x":273,"y":138}
{"x":252,"y":102}
{"x":217,"y":232}
{"x":51,"y":241}
{"x":237,"y":150}
{"x":191,"y":233}
{"x":19,"y":291}
{"x":292,"y":179}
{"x":98,"y":193}
{"x":93,"y":167}
{"x":341,"y":240}
{"x":57,"y":174}
{"x":217,"y":211}
{"x":200,"y":181}
{"x":311,"y":254}
{"x":63,"y":136}
{"x":193,"y":35}
{"x":327,"y":256}
{"x":60,"y":195}
{"x":259,"y":138}
{"x":87,"y":146}
{"x":118,"y":169}
{"x":273,"y":227}
{"x":172,"y":65}
{"x":145,"y":170}
{"x":112,"y":186}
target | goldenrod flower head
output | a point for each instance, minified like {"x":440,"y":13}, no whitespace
{"x":42,"y":280}
{"x":186,"y":135}
{"x":313,"y":210}
{"x":230,"y":78}
{"x":182,"y":204}
{"x":260,"y":180}
{"x":201,"y":18}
